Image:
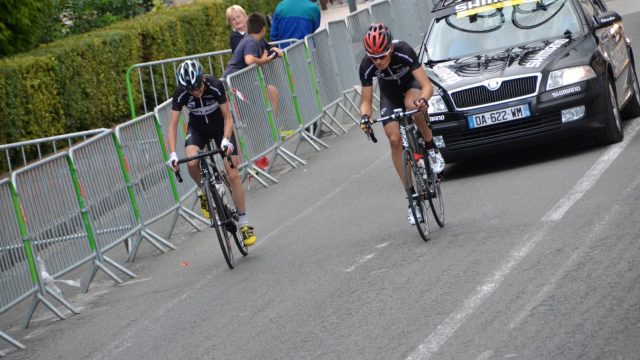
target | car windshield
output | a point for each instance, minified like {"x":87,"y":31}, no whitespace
{"x":500,"y":26}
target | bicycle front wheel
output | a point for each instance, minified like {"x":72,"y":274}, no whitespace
{"x":436,"y":201}
{"x":217,"y":222}
{"x":417,"y":197}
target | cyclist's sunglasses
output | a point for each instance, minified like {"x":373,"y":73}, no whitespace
{"x":379,"y":56}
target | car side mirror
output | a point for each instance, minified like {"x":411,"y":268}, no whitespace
{"x":607,"y":19}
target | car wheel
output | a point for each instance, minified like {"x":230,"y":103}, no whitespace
{"x":612,"y":132}
{"x":632,"y":109}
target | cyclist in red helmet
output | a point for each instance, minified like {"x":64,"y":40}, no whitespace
{"x":403,"y":84}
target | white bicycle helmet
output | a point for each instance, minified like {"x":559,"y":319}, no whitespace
{"x":190,"y":75}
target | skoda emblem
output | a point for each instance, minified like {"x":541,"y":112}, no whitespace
{"x":493,"y":84}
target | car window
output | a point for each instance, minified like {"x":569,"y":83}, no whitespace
{"x":499,"y":28}
{"x":601,"y":6}
{"x":589,"y":9}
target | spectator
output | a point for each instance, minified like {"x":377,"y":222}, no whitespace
{"x":294,"y":19}
{"x":237,"y":18}
{"x":252,"y":49}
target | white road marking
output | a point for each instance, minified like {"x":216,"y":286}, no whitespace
{"x":485,"y":355}
{"x":382,"y":245}
{"x":361,"y":261}
{"x":131,"y":282}
{"x":446,"y":329}
{"x":586,"y":243}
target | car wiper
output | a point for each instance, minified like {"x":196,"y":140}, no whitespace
{"x":434,"y":62}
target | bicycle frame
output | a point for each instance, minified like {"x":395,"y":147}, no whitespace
{"x":223,"y":217}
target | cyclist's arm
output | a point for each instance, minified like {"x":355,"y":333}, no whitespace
{"x":173,"y":130}
{"x":425,"y":84}
{"x":228,"y":120}
{"x":366,"y":101}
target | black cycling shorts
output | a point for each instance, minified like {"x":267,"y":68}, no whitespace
{"x":392,"y":97}
{"x":199,"y":138}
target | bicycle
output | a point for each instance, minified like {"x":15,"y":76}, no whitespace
{"x":223,"y":217}
{"x":426,"y":183}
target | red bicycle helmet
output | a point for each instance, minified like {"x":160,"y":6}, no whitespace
{"x":377,"y":40}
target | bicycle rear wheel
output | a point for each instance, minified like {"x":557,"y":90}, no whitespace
{"x":217,"y":222}
{"x":436,"y":200}
{"x":417,"y":200}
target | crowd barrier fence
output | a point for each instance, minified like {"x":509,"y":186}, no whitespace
{"x":142,"y":148}
{"x":185,"y":189}
{"x":106,"y":187}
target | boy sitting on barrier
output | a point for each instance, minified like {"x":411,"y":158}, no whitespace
{"x":252,"y":50}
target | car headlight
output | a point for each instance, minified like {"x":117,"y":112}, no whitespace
{"x":568,"y":76}
{"x":437,"y":105}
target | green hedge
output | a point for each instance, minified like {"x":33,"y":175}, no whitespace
{"x":78,"y":83}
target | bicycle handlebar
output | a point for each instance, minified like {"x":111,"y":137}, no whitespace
{"x":397,"y":114}
{"x":200,"y":155}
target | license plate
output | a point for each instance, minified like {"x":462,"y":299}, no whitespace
{"x":498,"y":116}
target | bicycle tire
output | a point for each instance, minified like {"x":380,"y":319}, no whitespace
{"x":417,"y":201}
{"x":231,"y":214}
{"x":217,"y":217}
{"x":436,"y":201}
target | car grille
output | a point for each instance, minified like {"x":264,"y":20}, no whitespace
{"x":493,"y":134}
{"x":481,"y":95}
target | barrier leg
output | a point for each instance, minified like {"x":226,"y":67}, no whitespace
{"x":11,"y":341}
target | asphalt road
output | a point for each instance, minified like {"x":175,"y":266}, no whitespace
{"x":540,"y":259}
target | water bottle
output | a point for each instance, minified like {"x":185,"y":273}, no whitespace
{"x":221,"y":190}
{"x":432,"y":158}
{"x":423,"y":170}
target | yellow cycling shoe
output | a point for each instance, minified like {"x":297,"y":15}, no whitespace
{"x":204,"y":205}
{"x":248,"y":237}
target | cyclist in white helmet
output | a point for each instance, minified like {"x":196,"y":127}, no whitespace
{"x":209,"y":118}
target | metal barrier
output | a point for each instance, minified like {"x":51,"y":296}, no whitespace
{"x":36,"y":149}
{"x":348,"y":65}
{"x":412,"y":18}
{"x":286,"y":117}
{"x":18,"y":275}
{"x":56,"y":224}
{"x":162,"y":87}
{"x":358,"y":23}
{"x":381,"y":12}
{"x":186,"y":188}
{"x":253,"y":118}
{"x":304,"y":92}
{"x":143,"y":152}
{"x":18,"y":260}
{"x":11,"y":341}
{"x":103,"y":192}
{"x":327,"y":76}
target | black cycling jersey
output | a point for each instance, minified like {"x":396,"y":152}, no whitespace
{"x":403,"y":61}
{"x":204,"y":112}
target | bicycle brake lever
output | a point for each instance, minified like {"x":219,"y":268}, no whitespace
{"x":229,"y":160}
{"x":177,"y":172}
{"x":372,"y":137}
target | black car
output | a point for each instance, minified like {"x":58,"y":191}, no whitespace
{"x":509,"y":73}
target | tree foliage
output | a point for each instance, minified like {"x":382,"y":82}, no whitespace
{"x":23,"y":23}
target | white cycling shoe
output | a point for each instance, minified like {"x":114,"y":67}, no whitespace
{"x":436,"y":161}
{"x":410,"y":218}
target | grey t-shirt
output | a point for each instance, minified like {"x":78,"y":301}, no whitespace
{"x":247,"y":46}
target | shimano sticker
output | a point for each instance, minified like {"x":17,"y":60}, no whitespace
{"x":473,"y":7}
{"x":568,"y":91}
{"x":545,"y":53}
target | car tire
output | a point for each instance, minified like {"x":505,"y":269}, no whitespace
{"x":612,"y":132}
{"x":632,"y":109}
